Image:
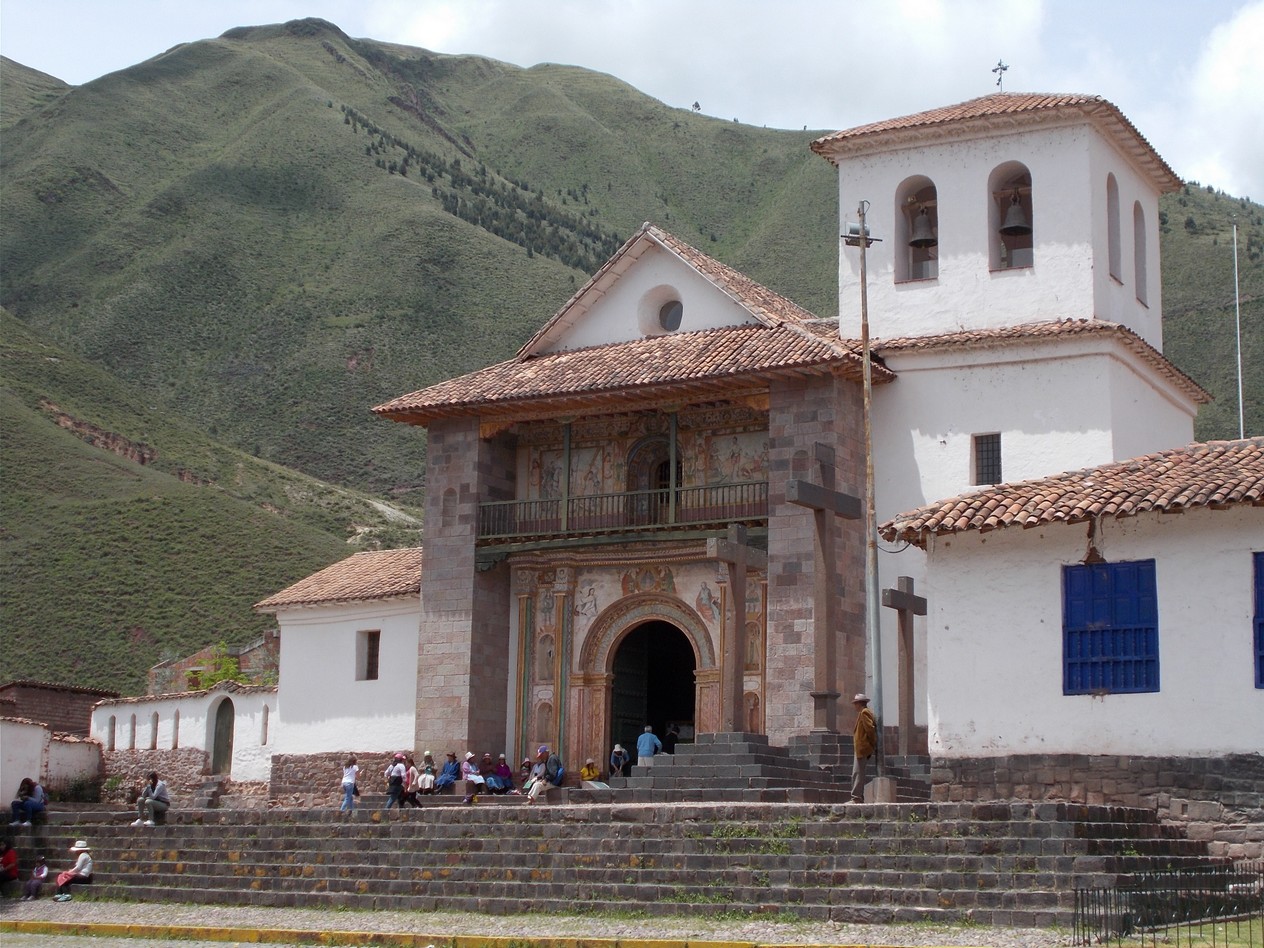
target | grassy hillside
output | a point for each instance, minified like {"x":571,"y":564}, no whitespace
{"x":130,"y":537}
{"x":1198,"y":302}
{"x":25,"y":91}
{"x":220,"y":259}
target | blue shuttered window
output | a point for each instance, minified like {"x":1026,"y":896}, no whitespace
{"x":1259,"y":620}
{"x":1110,"y":628}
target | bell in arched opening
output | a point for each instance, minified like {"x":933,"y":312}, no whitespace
{"x":1015,"y":224}
{"x":923,"y":234}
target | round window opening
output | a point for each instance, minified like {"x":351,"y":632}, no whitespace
{"x":669,"y":315}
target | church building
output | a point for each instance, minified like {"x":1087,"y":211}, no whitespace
{"x":650,"y":515}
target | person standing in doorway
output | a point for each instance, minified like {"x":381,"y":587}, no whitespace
{"x":647,"y":745}
{"x":864,"y":742}
{"x":670,"y":739}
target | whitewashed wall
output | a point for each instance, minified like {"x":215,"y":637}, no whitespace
{"x":1058,"y":406}
{"x":1068,"y":166}
{"x":187,"y":720}
{"x":323,"y":706}
{"x":994,"y":641}
{"x":70,"y":760}
{"x":629,"y":308}
{"x":29,"y":749}
{"x":23,"y":749}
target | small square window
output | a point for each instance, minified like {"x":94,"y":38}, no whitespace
{"x":368,"y":644}
{"x":987,"y":459}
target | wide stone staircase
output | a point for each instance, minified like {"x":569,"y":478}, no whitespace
{"x":988,"y":863}
{"x":745,"y":767}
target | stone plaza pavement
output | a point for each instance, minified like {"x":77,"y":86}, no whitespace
{"x":53,"y":925}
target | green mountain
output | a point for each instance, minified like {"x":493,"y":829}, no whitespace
{"x":230,"y":252}
{"x":129,"y":536}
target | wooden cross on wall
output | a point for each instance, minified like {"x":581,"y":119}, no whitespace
{"x":826,"y":503}
{"x":738,"y":557}
{"x":907,"y":605}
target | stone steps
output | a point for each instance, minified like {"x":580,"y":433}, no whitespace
{"x":1002,"y":863}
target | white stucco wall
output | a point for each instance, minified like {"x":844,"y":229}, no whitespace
{"x":70,"y":760}
{"x":1068,"y":166}
{"x":323,"y":706}
{"x":628,"y":310}
{"x":194,"y":725}
{"x":29,"y":749}
{"x":1058,"y":405}
{"x":1116,"y":300}
{"x":23,"y":747}
{"x":994,"y":641}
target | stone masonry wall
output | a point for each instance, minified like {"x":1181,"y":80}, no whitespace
{"x":801,"y":414}
{"x":1218,"y":799}
{"x":316,"y":779}
{"x":125,"y":771}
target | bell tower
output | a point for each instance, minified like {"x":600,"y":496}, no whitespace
{"x":1009,"y":209}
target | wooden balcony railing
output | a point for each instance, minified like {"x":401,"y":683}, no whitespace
{"x":623,"y":512}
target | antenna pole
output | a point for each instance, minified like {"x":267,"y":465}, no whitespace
{"x":1237,"y":308}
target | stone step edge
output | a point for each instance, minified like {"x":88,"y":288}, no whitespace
{"x":859,"y":913}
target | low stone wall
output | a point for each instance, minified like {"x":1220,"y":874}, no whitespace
{"x":1217,"y":799}
{"x":125,"y":771}
{"x":316,"y":779}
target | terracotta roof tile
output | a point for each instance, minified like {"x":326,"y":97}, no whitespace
{"x":1214,"y":474}
{"x":984,"y":338}
{"x":1003,"y":109}
{"x":785,"y":339}
{"x":376,"y":574}
{"x":236,"y":687}
{"x":57,"y":686}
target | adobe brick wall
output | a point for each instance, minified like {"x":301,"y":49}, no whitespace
{"x":61,"y":708}
{"x":1217,"y":799}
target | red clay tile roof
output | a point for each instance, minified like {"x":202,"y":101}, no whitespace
{"x":376,"y":574}
{"x":999,"y":111}
{"x":785,"y":340}
{"x":236,"y":687}
{"x":985,"y":338}
{"x":56,"y":686}
{"x":1216,"y":474}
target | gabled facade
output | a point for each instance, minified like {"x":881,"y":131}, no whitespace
{"x":572,"y":492}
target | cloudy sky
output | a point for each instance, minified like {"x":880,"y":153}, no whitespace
{"x":1189,"y":75}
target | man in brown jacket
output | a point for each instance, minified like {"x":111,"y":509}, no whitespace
{"x":865,"y":740}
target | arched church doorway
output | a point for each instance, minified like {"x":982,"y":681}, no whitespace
{"x":222,"y":738}
{"x":653,"y":682}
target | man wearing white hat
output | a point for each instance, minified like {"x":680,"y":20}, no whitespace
{"x":864,"y":740}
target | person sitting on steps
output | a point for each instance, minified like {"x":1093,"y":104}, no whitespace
{"x":547,"y":772}
{"x":153,"y":802}
{"x":81,"y":872}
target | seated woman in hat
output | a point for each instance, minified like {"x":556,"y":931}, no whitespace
{"x":81,"y":872}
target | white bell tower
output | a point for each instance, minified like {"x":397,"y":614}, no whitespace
{"x":1009,"y":209}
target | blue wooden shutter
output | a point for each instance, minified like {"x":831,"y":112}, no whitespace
{"x":1110,"y":628}
{"x":1259,"y":620}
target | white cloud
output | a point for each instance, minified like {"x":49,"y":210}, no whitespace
{"x":1225,"y":116}
{"x":1186,"y":77}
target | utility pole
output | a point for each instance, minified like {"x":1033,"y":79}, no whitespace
{"x":858,"y":236}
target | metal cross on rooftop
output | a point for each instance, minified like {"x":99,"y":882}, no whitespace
{"x":999,"y":69}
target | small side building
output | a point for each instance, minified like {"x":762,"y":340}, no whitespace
{"x":348,"y":667}
{"x":1121,"y":659}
